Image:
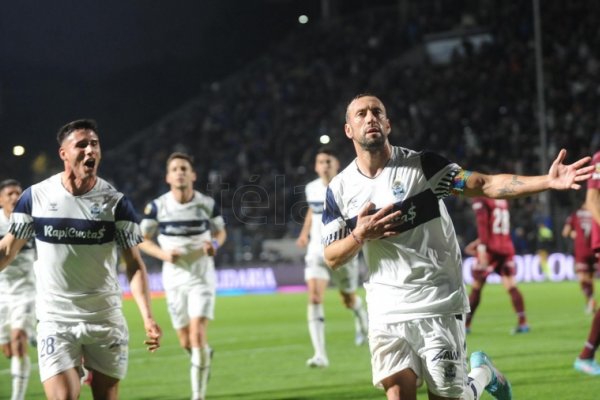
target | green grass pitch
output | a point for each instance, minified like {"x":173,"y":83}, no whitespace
{"x":261,"y":344}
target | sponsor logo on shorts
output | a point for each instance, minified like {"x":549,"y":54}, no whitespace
{"x":452,"y":355}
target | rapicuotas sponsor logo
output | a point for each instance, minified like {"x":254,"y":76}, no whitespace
{"x":70,"y":233}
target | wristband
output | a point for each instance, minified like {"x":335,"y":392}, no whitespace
{"x":360,"y":242}
{"x":215,"y":244}
{"x":481,"y":248}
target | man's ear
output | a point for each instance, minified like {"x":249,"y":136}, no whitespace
{"x":348,"y":131}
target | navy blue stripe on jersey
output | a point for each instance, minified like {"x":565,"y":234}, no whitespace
{"x":316,"y":207}
{"x":331,"y":211}
{"x":125,"y":211}
{"x":432,"y":163}
{"x":183,"y":228}
{"x":24,"y":203}
{"x":73,"y":231}
{"x":415,"y":211}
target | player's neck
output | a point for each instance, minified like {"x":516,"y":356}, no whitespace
{"x":326,"y":180}
{"x":78,"y":186}
{"x":371,"y":162}
{"x":183,"y":195}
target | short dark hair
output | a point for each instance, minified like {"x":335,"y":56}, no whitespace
{"x":9,"y":182}
{"x":181,"y":155}
{"x":358,"y":96}
{"x":65,"y":130}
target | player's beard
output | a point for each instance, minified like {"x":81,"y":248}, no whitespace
{"x":372,"y":144}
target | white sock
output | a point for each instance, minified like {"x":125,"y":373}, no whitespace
{"x":361,"y":321}
{"x":479,"y":378}
{"x":199,"y":371}
{"x":19,"y":369}
{"x":316,"y":328}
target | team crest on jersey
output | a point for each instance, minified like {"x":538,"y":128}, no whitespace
{"x":52,"y":207}
{"x":95,"y":210}
{"x":398,"y":190}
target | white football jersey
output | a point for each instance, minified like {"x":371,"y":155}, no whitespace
{"x":418,"y":273}
{"x":184,"y":227}
{"x":17,"y":278}
{"x":75,"y":236}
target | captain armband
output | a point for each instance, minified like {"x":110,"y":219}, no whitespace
{"x":460,"y":181}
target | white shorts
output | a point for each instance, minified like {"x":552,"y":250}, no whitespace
{"x":434,"y":348}
{"x":345,"y":278}
{"x":102,"y":347}
{"x":17,"y":314}
{"x":186,"y":302}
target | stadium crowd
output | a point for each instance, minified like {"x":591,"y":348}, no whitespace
{"x":254,"y":134}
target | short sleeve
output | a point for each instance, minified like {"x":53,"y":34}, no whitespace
{"x":127,"y":229}
{"x":21,"y":220}
{"x":334,"y":224}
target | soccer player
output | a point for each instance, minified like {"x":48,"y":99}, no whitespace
{"x":316,"y":272}
{"x":585,"y":362}
{"x":578,"y":226}
{"x":494,"y":251}
{"x":388,"y":203}
{"x":190,"y":230}
{"x":17,"y":298}
{"x":77,"y":220}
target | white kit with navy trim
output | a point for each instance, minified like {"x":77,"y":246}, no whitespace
{"x":75,"y":236}
{"x":184,"y":227}
{"x":418,"y":273}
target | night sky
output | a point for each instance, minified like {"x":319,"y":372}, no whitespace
{"x":124,"y":63}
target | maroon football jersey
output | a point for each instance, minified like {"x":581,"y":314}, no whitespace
{"x":493,"y":225}
{"x":594,"y":183}
{"x":581,"y":222}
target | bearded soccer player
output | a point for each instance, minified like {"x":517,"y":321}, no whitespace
{"x":389,"y":203}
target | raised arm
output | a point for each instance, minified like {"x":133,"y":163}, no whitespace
{"x":138,"y":282}
{"x":506,"y":186}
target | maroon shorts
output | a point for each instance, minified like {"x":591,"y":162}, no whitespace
{"x":586,"y":264}
{"x":500,"y":264}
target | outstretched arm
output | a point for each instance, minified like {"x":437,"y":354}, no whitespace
{"x":506,"y":186}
